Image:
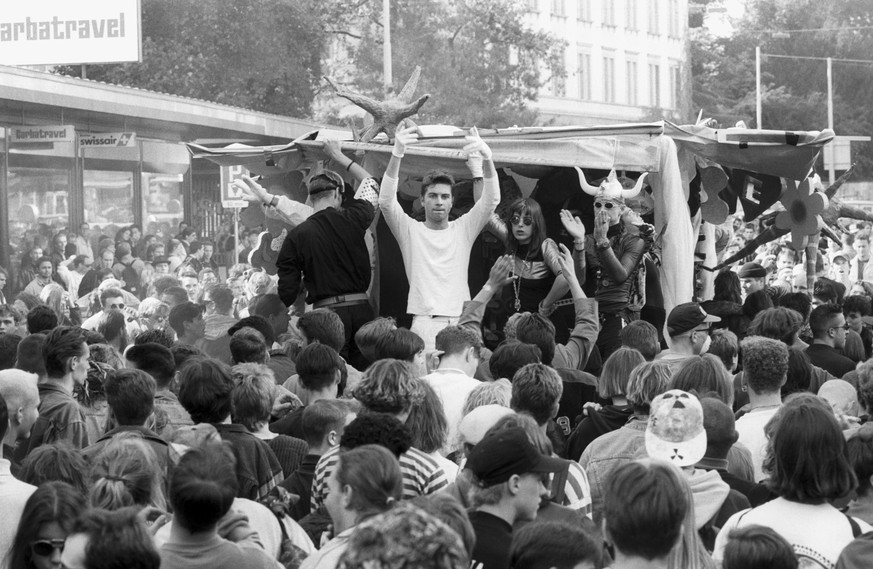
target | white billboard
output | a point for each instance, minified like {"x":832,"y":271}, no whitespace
{"x":63,"y":32}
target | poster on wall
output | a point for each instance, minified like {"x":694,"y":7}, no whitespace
{"x":60,"y":32}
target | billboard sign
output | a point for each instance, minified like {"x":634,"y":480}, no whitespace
{"x":60,"y":32}
{"x":230,"y":197}
{"x":41,"y":134}
{"x":107,"y":140}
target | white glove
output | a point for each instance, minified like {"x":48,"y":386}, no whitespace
{"x":402,"y":138}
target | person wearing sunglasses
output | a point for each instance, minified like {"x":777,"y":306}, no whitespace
{"x":436,"y":252}
{"x":613,"y":257}
{"x":46,"y":521}
{"x":540,"y":282}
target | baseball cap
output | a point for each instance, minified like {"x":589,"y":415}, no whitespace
{"x":477,"y":422}
{"x":161,"y":260}
{"x":752,"y":270}
{"x":675,"y":430}
{"x":686,"y":317}
{"x":504,"y":453}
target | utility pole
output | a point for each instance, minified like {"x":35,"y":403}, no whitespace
{"x":758,"y":86}
{"x":829,"y":148}
{"x":387,"y":79}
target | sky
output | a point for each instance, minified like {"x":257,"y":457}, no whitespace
{"x":718,"y":18}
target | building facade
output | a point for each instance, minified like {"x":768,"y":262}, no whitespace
{"x":624,"y":61}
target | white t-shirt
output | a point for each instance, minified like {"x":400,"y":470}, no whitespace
{"x":751,"y":430}
{"x":452,"y":386}
{"x":436,"y":260}
{"x":13,"y":497}
{"x":819,"y":532}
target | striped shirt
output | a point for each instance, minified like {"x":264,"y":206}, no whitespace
{"x":577,"y":491}
{"x":421,"y":475}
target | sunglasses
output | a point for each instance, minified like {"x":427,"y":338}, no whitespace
{"x":117,"y":306}
{"x":45,"y":547}
{"x":607,"y":205}
{"x":518,"y":220}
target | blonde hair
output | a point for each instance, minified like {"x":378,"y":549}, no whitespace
{"x":126,"y":472}
{"x":497,"y":392}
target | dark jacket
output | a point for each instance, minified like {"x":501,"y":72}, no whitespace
{"x":608,"y":419}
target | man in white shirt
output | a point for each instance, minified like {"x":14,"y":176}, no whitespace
{"x":436,"y":252}
{"x":458,"y":349}
{"x":765,"y":369}
{"x":73,"y":277}
{"x":19,"y":399}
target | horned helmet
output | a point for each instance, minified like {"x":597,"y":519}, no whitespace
{"x":610,"y":188}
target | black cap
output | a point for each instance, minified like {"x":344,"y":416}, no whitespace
{"x":686,"y":317}
{"x":752,"y":270}
{"x":160,"y":260}
{"x":503,"y":453}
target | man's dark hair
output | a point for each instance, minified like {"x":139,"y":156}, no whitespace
{"x":42,"y":260}
{"x":117,"y":539}
{"x":61,"y":344}
{"x":9,"y":310}
{"x":259,"y":323}
{"x":778,"y":323}
{"x":156,"y":336}
{"x":205,"y":388}
{"x":203,"y":486}
{"x":797,"y":301}
{"x":857,"y":303}
{"x":110,"y":292}
{"x":758,"y":547}
{"x":41,"y":319}
{"x":30,"y":356}
{"x":435,"y":177}
{"x":194,"y":247}
{"x":317,"y":365}
{"x":164,"y":282}
{"x":121,"y":249}
{"x":511,"y":356}
{"x":184,"y":313}
{"x":247,"y":345}
{"x":182,"y":353}
{"x":178,"y":293}
{"x":825,"y":291}
{"x":399,"y":344}
{"x":154,"y":359}
{"x":546,"y":545}
{"x":453,"y":340}
{"x":377,"y":429}
{"x":321,"y":417}
{"x":539,"y":331}
{"x":643,"y":337}
{"x":131,"y":396}
{"x":8,"y":351}
{"x":324,"y":326}
{"x":222,"y":296}
{"x":268,"y":305}
{"x":724,"y":346}
{"x":536,"y":390}
{"x":643,"y":509}
{"x":821,"y":318}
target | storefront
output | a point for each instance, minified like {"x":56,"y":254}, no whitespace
{"x":74,"y":151}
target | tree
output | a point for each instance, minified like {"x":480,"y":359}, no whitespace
{"x":794,"y":88}
{"x":480,"y":62}
{"x":263,"y":55}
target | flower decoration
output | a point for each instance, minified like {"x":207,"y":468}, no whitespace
{"x":802,"y":215}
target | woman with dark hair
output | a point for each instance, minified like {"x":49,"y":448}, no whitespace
{"x":365,"y":482}
{"x":522,"y":229}
{"x":122,"y":236}
{"x":113,"y":327}
{"x":860,"y":448}
{"x":45,"y":523}
{"x":809,"y":469}
{"x":429,"y":427}
{"x":612,"y":385}
{"x":727,"y":302}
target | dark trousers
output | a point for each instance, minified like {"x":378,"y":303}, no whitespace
{"x":354,"y":316}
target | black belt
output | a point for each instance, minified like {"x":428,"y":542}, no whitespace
{"x":342,"y":299}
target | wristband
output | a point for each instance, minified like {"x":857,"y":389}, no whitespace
{"x":394,"y":153}
{"x":349,"y":167}
{"x":579,"y":244}
{"x":274,"y":201}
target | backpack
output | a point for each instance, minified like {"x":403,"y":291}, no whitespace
{"x":131,"y":278}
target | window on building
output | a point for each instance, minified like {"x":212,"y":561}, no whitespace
{"x":532,"y":5}
{"x":583,"y":10}
{"x":673,"y":21}
{"x":558,"y":8}
{"x":609,"y":77}
{"x":632,"y":80}
{"x":654,"y":28}
{"x":608,"y":13}
{"x":583,"y":73}
{"x":654,"y":85}
{"x":631,"y":14}
{"x":675,"y":85}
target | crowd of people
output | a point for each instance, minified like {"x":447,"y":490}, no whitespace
{"x":153,"y":416}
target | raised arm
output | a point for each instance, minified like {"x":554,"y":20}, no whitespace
{"x":499,"y":277}
{"x":277,"y":207}
{"x":334,"y":151}
{"x":587,"y":324}
{"x":479,"y":160}
{"x":616,"y":269}
{"x":576,"y":229}
{"x":394,"y":214}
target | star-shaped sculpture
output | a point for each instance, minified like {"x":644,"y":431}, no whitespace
{"x":389,"y":113}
